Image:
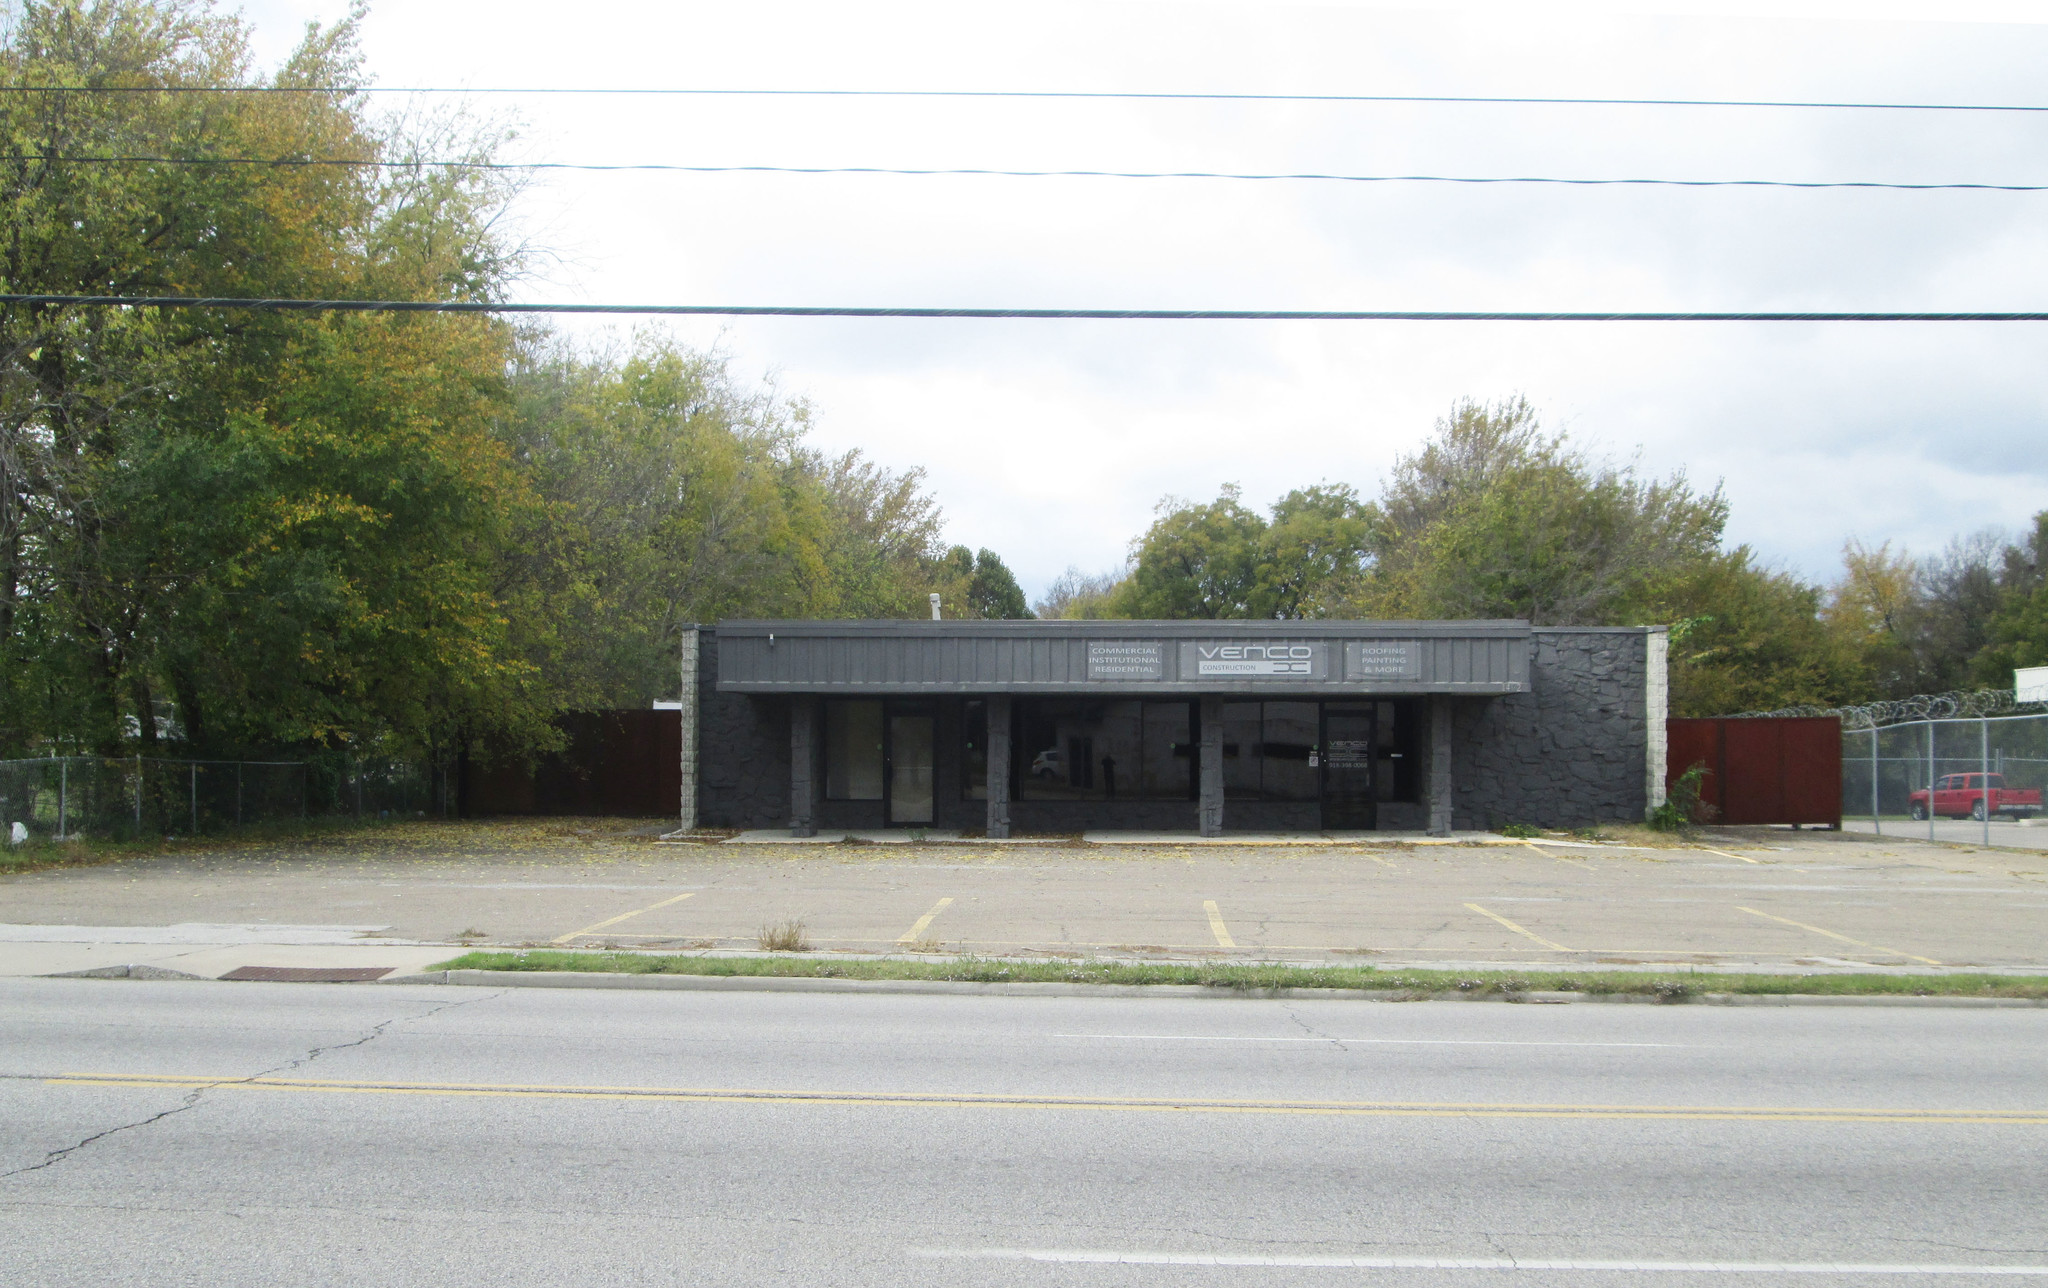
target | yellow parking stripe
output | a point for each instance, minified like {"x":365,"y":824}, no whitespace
{"x":1529,"y":934}
{"x":922,"y":924}
{"x":1216,"y":926}
{"x":1876,"y":948}
{"x":1724,"y":854}
{"x":624,"y":916}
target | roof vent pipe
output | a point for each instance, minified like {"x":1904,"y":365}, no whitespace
{"x":935,"y":605}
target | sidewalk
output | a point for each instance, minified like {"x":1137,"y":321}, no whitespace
{"x":208,"y":951}
{"x":941,"y":836}
{"x":2031,"y":834}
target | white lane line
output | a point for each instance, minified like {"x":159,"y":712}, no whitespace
{"x":1197,"y":1037}
{"x":1088,"y":1256}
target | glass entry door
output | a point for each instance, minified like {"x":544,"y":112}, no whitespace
{"x":1349,"y":802}
{"x":910,"y":769}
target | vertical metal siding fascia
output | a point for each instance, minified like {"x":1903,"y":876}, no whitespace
{"x":1518,"y":650}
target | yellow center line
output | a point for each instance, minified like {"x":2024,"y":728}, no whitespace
{"x":1519,"y":930}
{"x":1025,"y":1100}
{"x":922,"y":924}
{"x":624,"y":916}
{"x":1216,"y":926}
{"x":1724,"y":854}
{"x":1876,"y":948}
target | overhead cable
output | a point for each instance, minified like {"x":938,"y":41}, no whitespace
{"x":1132,"y":95}
{"x":1106,"y":315}
{"x":659,"y":167}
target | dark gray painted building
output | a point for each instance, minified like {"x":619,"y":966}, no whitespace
{"x":1059,"y":726}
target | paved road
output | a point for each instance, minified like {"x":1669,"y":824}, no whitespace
{"x":413,"y":1136}
{"x":1775,"y":898}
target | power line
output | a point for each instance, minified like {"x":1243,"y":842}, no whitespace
{"x":1313,"y":176}
{"x":1138,"y":96}
{"x":1107,"y":315}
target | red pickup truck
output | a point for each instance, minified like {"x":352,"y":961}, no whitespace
{"x":1958,"y":795}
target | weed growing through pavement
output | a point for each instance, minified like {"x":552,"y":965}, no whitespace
{"x":785,"y":938}
{"x":1520,"y":832}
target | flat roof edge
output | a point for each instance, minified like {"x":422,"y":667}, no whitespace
{"x":1327,"y":691}
{"x":1063,"y":628}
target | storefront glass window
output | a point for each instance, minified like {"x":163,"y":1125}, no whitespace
{"x":1169,"y":752}
{"x":1081,"y":749}
{"x":1241,"y":759}
{"x":974,"y":751}
{"x":1287,"y":748}
{"x":853,"y":750}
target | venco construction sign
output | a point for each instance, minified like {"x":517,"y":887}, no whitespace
{"x":1263,"y":660}
{"x":1311,"y":660}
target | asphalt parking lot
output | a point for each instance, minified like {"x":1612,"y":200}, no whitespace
{"x":1732,"y":898}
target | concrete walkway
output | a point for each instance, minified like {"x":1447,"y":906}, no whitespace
{"x":207,"y":951}
{"x":936,"y":836}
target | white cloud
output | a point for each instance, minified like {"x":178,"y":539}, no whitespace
{"x":1051,"y":441}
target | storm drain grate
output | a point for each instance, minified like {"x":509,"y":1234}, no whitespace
{"x":311,"y":974}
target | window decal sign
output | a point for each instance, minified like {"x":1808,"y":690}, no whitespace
{"x":1126,"y":660}
{"x":1384,"y":660}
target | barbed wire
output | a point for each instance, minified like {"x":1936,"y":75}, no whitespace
{"x":1956,"y":704}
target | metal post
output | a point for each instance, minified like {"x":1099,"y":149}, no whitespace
{"x":1209,"y":800}
{"x":803,"y":766}
{"x":1984,"y":757}
{"x":238,"y":793}
{"x":138,"y":795}
{"x":997,"y":739}
{"x":1876,"y":823}
{"x":63,"y":796}
{"x":195,"y":798}
{"x":1930,"y":780}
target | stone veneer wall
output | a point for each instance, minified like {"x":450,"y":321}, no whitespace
{"x":1573,"y":750}
{"x":742,"y":751}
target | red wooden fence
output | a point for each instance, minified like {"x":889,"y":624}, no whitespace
{"x":626,"y":763}
{"x":1763,"y":769}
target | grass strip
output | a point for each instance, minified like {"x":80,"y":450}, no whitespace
{"x":1669,"y":986}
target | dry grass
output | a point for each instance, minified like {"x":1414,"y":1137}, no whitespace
{"x":787,"y":937}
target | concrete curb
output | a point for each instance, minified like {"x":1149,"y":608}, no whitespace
{"x":961,"y":988}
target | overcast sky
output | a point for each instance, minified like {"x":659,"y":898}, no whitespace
{"x":1051,"y":442}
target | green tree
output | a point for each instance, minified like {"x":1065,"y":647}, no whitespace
{"x":1223,"y":559}
{"x":241,"y":527}
{"x":1196,"y":561}
{"x":978,"y":584}
{"x":2018,"y":628}
{"x":1496,"y":518}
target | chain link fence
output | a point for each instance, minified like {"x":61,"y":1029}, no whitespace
{"x":61,"y":797}
{"x":1883,"y":767}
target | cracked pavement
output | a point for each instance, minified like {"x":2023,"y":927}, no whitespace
{"x":393,"y":1135}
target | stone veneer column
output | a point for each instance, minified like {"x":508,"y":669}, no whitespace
{"x":803,"y":766}
{"x":998,"y":738}
{"x":1439,"y":765}
{"x":1209,"y":813}
{"x":687,"y":819}
{"x":1656,"y":710}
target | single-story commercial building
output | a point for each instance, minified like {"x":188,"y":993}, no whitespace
{"x":1207,"y":726}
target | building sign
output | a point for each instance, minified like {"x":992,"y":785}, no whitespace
{"x":1384,"y":660}
{"x":1126,"y":660}
{"x":1260,"y":661}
